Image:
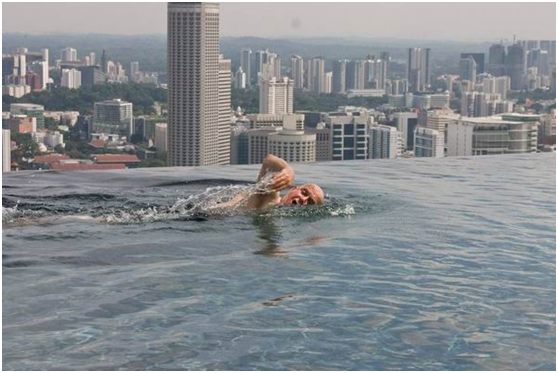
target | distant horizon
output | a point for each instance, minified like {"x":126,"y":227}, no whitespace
{"x":456,"y":22}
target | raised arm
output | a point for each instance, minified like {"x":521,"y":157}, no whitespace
{"x":284,"y":172}
{"x":284,"y":176}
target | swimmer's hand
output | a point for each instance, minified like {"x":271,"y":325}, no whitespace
{"x":282,"y":179}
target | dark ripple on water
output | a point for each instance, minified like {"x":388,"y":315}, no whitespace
{"x":440,"y":265}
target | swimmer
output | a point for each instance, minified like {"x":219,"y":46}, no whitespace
{"x":307,"y":194}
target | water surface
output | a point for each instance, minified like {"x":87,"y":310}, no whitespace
{"x":413,"y":264}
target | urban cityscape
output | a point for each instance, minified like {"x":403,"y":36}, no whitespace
{"x":235,"y":109}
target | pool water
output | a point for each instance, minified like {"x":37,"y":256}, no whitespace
{"x":438,"y":264}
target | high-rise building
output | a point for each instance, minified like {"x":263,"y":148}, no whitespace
{"x":479,"y":60}
{"x":349,"y":135}
{"x":293,"y":146}
{"x":292,"y":121}
{"x":246,"y":64}
{"x":224,"y":133}
{"x":6,"y":151}
{"x":438,"y":120}
{"x":499,"y":85}
{"x":339,"y":76}
{"x":240,"y":79}
{"x":515,"y":61}
{"x":71,"y":78}
{"x":276,"y":96}
{"x":91,"y":75}
{"x":418,"y":69}
{"x":134,"y":70}
{"x":92,"y":58}
{"x":297,"y":71}
{"x":315,"y":75}
{"x":68,"y":55}
{"x":262,"y":57}
{"x":161,"y":136}
{"x":113,"y":117}
{"x":275,"y":64}
{"x":428,"y":143}
{"x":468,"y":69}
{"x":193,"y":84}
{"x":323,"y":143}
{"x":406,"y":124}
{"x":355,"y":75}
{"x":385,"y":142}
{"x":503,"y":134}
{"x":45,"y":75}
{"x":497,"y":60}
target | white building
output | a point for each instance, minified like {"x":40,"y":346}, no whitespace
{"x":503,"y":134}
{"x":68,"y":55}
{"x":53,"y":139}
{"x":161,"y":136}
{"x":113,"y":117}
{"x":240,"y":79}
{"x":323,"y":142}
{"x":349,"y":135}
{"x":193,"y":84}
{"x":276,"y":96}
{"x":429,"y":143}
{"x":406,"y":124}
{"x":293,"y":146}
{"x":385,"y":142}
{"x":225,"y":112}
{"x":16,"y":90}
{"x":71,"y":78}
{"x":6,"y":151}
{"x":297,"y":71}
{"x":294,"y":121}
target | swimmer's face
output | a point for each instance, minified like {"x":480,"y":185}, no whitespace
{"x":308,"y":194}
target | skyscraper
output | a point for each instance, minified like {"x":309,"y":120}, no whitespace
{"x":297,"y":71}
{"x":71,"y":78}
{"x":515,"y":61}
{"x":193,"y":84}
{"x":429,"y":143}
{"x":224,"y":140}
{"x":468,"y":69}
{"x":276,"y":96}
{"x":418,"y":69}
{"x":497,"y":60}
{"x":68,"y":55}
{"x":315,"y":75}
{"x":113,"y":117}
{"x":355,"y":75}
{"x":246,"y":64}
{"x":385,"y":142}
{"x":6,"y":151}
{"x":261,"y":59}
{"x":339,"y":76}
{"x":479,"y":60}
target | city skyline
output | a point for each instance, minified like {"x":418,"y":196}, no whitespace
{"x":463,"y":22}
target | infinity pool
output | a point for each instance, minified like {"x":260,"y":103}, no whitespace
{"x":438,"y":264}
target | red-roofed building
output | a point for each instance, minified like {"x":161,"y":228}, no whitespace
{"x":98,"y":144}
{"x":87,"y":167}
{"x":127,"y":159}
{"x":52,"y":158}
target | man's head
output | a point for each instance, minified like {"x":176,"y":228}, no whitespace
{"x":308,"y":194}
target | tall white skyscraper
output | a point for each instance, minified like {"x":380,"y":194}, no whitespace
{"x":45,"y":76}
{"x":246,"y":64}
{"x":315,"y":75}
{"x":418,"y":69}
{"x":385,"y":142}
{"x":68,"y":55}
{"x":92,"y":58}
{"x":161,"y":136}
{"x":6,"y":151}
{"x":71,"y":78}
{"x":240,"y":79}
{"x":134,"y":69}
{"x":193,"y":84}
{"x":297,"y":71}
{"x":224,"y":140}
{"x":276,"y":96}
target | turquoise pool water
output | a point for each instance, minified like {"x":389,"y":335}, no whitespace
{"x":414,"y":264}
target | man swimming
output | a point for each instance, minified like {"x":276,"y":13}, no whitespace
{"x":307,"y":194}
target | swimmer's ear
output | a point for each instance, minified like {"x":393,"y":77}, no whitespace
{"x":326,"y":196}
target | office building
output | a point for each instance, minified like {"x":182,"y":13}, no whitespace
{"x":224,"y":133}
{"x":468,"y":69}
{"x":31,"y":110}
{"x":339,"y":78}
{"x":193,"y":84}
{"x":500,"y":85}
{"x":134,"y":70}
{"x":515,"y":61}
{"x":6,"y":151}
{"x":71,"y":78}
{"x":68,"y":55}
{"x":297,"y":71}
{"x":385,"y":142}
{"x":418,"y":69}
{"x":547,"y":128}
{"x":355,"y":75}
{"x":497,"y":60}
{"x":323,"y":142}
{"x":246,"y":64}
{"x":276,"y":96}
{"x":293,"y":146}
{"x":91,"y":75}
{"x":315,"y":75}
{"x":428,"y":143}
{"x":239,"y":145}
{"x":161,"y":136}
{"x":258,"y":144}
{"x":406,"y":123}
{"x":240,"y":79}
{"x":504,"y":134}
{"x":113,"y":117}
{"x":478,"y":58}
{"x":262,"y":57}
{"x":438,"y":120}
{"x":293,"y":121}
{"x":349,"y":135}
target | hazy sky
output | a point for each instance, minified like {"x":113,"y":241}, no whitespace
{"x":442,"y":21}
